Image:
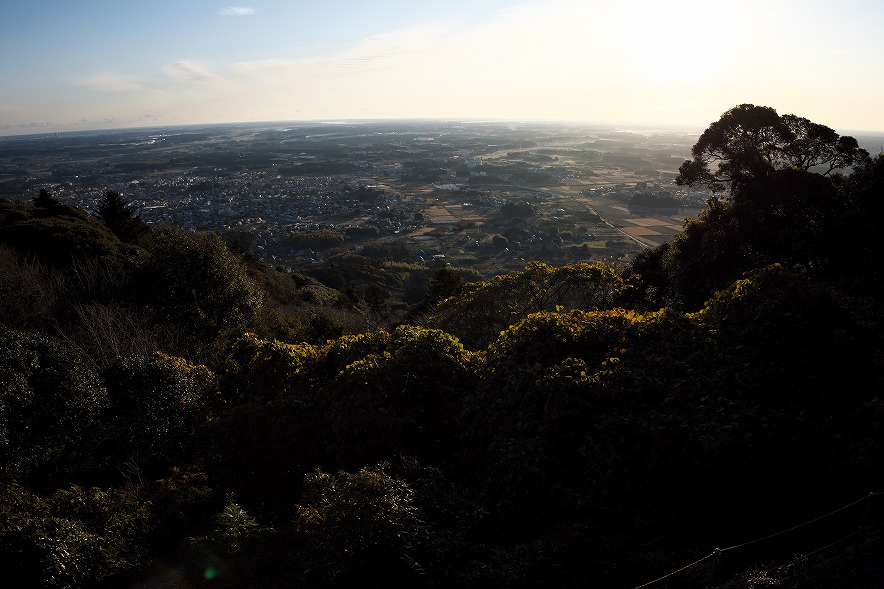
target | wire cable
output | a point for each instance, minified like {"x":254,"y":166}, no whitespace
{"x":673,"y":573}
{"x":719,"y":551}
{"x":793,"y":528}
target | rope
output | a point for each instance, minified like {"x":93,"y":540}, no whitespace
{"x":793,"y":528}
{"x":673,"y":573}
{"x":719,"y":551}
{"x":847,"y":537}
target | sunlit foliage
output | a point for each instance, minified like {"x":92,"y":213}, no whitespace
{"x":378,"y":393}
{"x":73,"y":538}
{"x":481,"y":310}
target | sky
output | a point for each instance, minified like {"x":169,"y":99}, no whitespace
{"x":100,"y":64}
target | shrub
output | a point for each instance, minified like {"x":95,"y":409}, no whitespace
{"x":194,"y":280}
{"x":406,"y":396}
{"x":359,"y":528}
{"x":28,"y":291}
{"x":76,"y":537}
{"x":798,"y":338}
{"x":481,"y":310}
{"x":50,"y":402}
{"x":155,"y":405}
{"x":237,"y":549}
{"x":58,"y":234}
{"x":265,"y":369}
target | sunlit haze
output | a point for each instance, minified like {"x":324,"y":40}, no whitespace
{"x":108,"y":64}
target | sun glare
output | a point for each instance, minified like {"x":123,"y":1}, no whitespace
{"x":679,"y":42}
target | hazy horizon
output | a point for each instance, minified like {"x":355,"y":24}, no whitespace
{"x":626,"y":126}
{"x":101,"y":65}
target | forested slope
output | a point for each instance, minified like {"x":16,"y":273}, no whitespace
{"x":172,"y":412}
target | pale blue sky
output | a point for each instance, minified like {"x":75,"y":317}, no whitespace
{"x":80,"y":64}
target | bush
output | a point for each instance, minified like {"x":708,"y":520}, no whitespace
{"x":266,"y":369}
{"x":156,"y":404}
{"x":195,"y":281}
{"x":481,"y":310}
{"x":366,"y":397}
{"x":28,"y":291}
{"x":58,"y":234}
{"x":406,"y":396}
{"x":799,"y":338}
{"x":360,"y":528}
{"x":242,"y":548}
{"x":76,"y":537}
{"x":50,"y":403}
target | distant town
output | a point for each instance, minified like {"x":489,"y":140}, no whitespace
{"x":490,"y":196}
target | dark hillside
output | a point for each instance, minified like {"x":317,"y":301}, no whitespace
{"x":171,"y":409}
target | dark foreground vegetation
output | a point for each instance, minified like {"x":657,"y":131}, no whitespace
{"x":173,"y":413}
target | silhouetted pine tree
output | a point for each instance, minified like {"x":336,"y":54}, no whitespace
{"x":119,"y":216}
{"x":44,"y":200}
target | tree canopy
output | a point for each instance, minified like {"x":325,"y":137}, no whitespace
{"x":751,"y":142}
{"x":58,"y":234}
{"x":785,"y":206}
{"x":479,"y":311}
{"x":196,"y":281}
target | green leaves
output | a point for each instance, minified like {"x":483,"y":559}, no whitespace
{"x":482,"y":310}
{"x":72,"y":538}
{"x":235,"y":531}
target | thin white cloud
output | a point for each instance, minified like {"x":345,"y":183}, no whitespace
{"x":237,"y":11}
{"x":505,"y":60}
{"x":104,"y":121}
{"x":549,"y":58}
{"x":30,"y":126}
{"x":189,"y":71}
{"x":111,"y":82}
{"x":407,"y":53}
